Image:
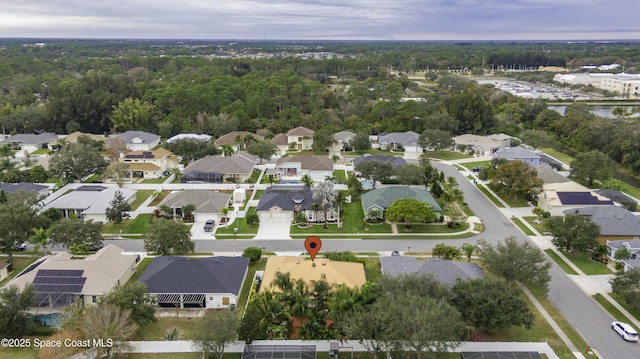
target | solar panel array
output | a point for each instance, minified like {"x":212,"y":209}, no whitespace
{"x":59,"y":281}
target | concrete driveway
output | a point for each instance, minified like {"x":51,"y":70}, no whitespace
{"x":197,"y":231}
{"x":274,"y":229}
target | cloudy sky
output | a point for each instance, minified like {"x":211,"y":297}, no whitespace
{"x":323,"y":19}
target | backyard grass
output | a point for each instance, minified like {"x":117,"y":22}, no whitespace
{"x":259,"y":194}
{"x":19,"y":264}
{"x":94,"y":179}
{"x":141,"y":196}
{"x":154,"y":180}
{"x":140,"y":268}
{"x":155,"y":331}
{"x":629,"y":189}
{"x":562,"y":157}
{"x":248,"y":282}
{"x":587,"y":265}
{"x":559,"y":261}
{"x":340,"y":175}
{"x":156,"y":201}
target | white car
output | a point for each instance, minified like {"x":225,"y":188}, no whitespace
{"x":625,"y":331}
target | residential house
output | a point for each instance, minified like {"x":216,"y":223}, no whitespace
{"x":237,"y":139}
{"x":632,"y":245}
{"x":90,"y":202}
{"x":630,"y":263}
{"x":291,"y":169}
{"x":445,"y":271}
{"x":139,"y":140}
{"x":207,"y":203}
{"x":376,"y":201}
{"x":334,"y":272}
{"x":30,"y":142}
{"x":342,"y":140}
{"x":181,"y":136}
{"x":281,"y":141}
{"x":518,"y":153}
{"x":282,"y":202}
{"x":395,"y":161}
{"x":558,"y":197}
{"x":41,"y":190}
{"x":213,"y":169}
{"x":300,"y":139}
{"x":149,"y":164}
{"x":60,"y":279}
{"x":478,"y":145}
{"x":618,"y":197}
{"x":616,"y":223}
{"x":401,"y":141}
{"x":503,"y":139}
{"x":73,"y":138}
{"x":207,"y":283}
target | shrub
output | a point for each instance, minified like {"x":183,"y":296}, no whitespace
{"x":253,"y":253}
{"x":252,"y":218}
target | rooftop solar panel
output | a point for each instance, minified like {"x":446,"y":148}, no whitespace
{"x":581,"y":198}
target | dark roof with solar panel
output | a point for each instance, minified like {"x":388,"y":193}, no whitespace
{"x":581,"y":198}
{"x":59,"y":281}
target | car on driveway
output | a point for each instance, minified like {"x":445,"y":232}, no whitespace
{"x":625,"y":330}
{"x":208,"y":225}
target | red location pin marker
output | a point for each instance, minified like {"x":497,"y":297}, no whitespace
{"x":312,"y":244}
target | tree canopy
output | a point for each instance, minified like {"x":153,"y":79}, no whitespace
{"x":167,"y":237}
{"x":410,"y":210}
{"x":573,"y":231}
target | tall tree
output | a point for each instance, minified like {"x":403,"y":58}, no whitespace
{"x":446,"y":252}
{"x":468,"y":249}
{"x":573,"y":231}
{"x":18,"y":215}
{"x":214,"y":331}
{"x":591,"y":167}
{"x":168,"y":237}
{"x":516,"y":178}
{"x":323,"y":139}
{"x":118,"y":209}
{"x":409,"y":174}
{"x":374,"y":170}
{"x":409,"y":210}
{"x":135,"y":297}
{"x":325,"y":193}
{"x":491,"y":304}
{"x":263,"y":149}
{"x":627,"y":285}
{"x":515,"y":262}
{"x":68,"y":232}
{"x":14,"y":320}
{"x":435,"y":140}
{"x":76,"y":162}
{"x":109,"y":322}
{"x":134,"y":115}
{"x":360,"y":142}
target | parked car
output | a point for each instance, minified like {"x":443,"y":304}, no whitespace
{"x":95,"y":247}
{"x":395,"y":253}
{"x":625,"y":330}
{"x":18,"y":247}
{"x":208,"y":225}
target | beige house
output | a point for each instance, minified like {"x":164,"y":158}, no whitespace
{"x":281,"y":141}
{"x":73,"y":138}
{"x":4,"y":270}
{"x":60,"y":279}
{"x":237,"y":139}
{"x":300,"y":138}
{"x":556,"y":198}
{"x":335,"y":273}
{"x":479,"y":145}
{"x":149,"y":164}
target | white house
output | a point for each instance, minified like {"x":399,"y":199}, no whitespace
{"x":139,"y":140}
{"x":291,"y":169}
{"x":90,"y":202}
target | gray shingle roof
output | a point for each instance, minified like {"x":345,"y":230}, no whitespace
{"x":633,"y":244}
{"x":146,"y":137}
{"x":240,"y":163}
{"x":515,"y":153}
{"x":308,"y":162}
{"x":205,"y":201}
{"x":408,"y":138}
{"x":444,"y":270}
{"x":24,"y":186}
{"x":204,"y":275}
{"x":384,"y":197}
{"x":300,"y":131}
{"x":549,"y":175}
{"x":30,"y":138}
{"x":286,"y":197}
{"x":612,"y":220}
{"x":395,"y":161}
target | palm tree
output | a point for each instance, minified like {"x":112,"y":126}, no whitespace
{"x":225,"y":212}
{"x":40,"y":238}
{"x":326,"y":193}
{"x":187,"y":211}
{"x":341,"y":200}
{"x":468,"y":250}
{"x":227,"y":150}
{"x":271,"y":312}
{"x":307,"y":180}
{"x":315,"y":206}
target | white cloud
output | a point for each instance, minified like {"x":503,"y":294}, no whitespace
{"x":322,"y":19}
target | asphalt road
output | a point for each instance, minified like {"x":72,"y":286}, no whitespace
{"x":581,"y":311}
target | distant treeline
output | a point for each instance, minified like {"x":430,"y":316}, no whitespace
{"x":526,"y":59}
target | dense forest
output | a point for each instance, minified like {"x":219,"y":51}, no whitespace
{"x":215,"y":87}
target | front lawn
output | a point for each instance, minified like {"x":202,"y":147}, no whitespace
{"x":471,"y":165}
{"x":518,"y":201}
{"x":241,"y":223}
{"x":447,"y":155}
{"x":587,"y":265}
{"x":141,"y":196}
{"x":559,"y":261}
{"x":539,"y":226}
{"x":522,"y":226}
{"x":137,"y":225}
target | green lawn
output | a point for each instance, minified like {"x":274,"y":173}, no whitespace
{"x":340,"y":176}
{"x":248,"y":282}
{"x":522,"y":226}
{"x":609,"y":307}
{"x":540,"y":227}
{"x":587,"y":265}
{"x":19,"y":264}
{"x":447,"y":155}
{"x":140,"y":268}
{"x":433,"y":228}
{"x":560,"y":262}
{"x":558,"y":155}
{"x":243,"y":227}
{"x":471,"y":165}
{"x":511,"y":202}
{"x":154,"y":180}
{"x":137,"y":225}
{"x":141,"y":196}
{"x":493,"y":199}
